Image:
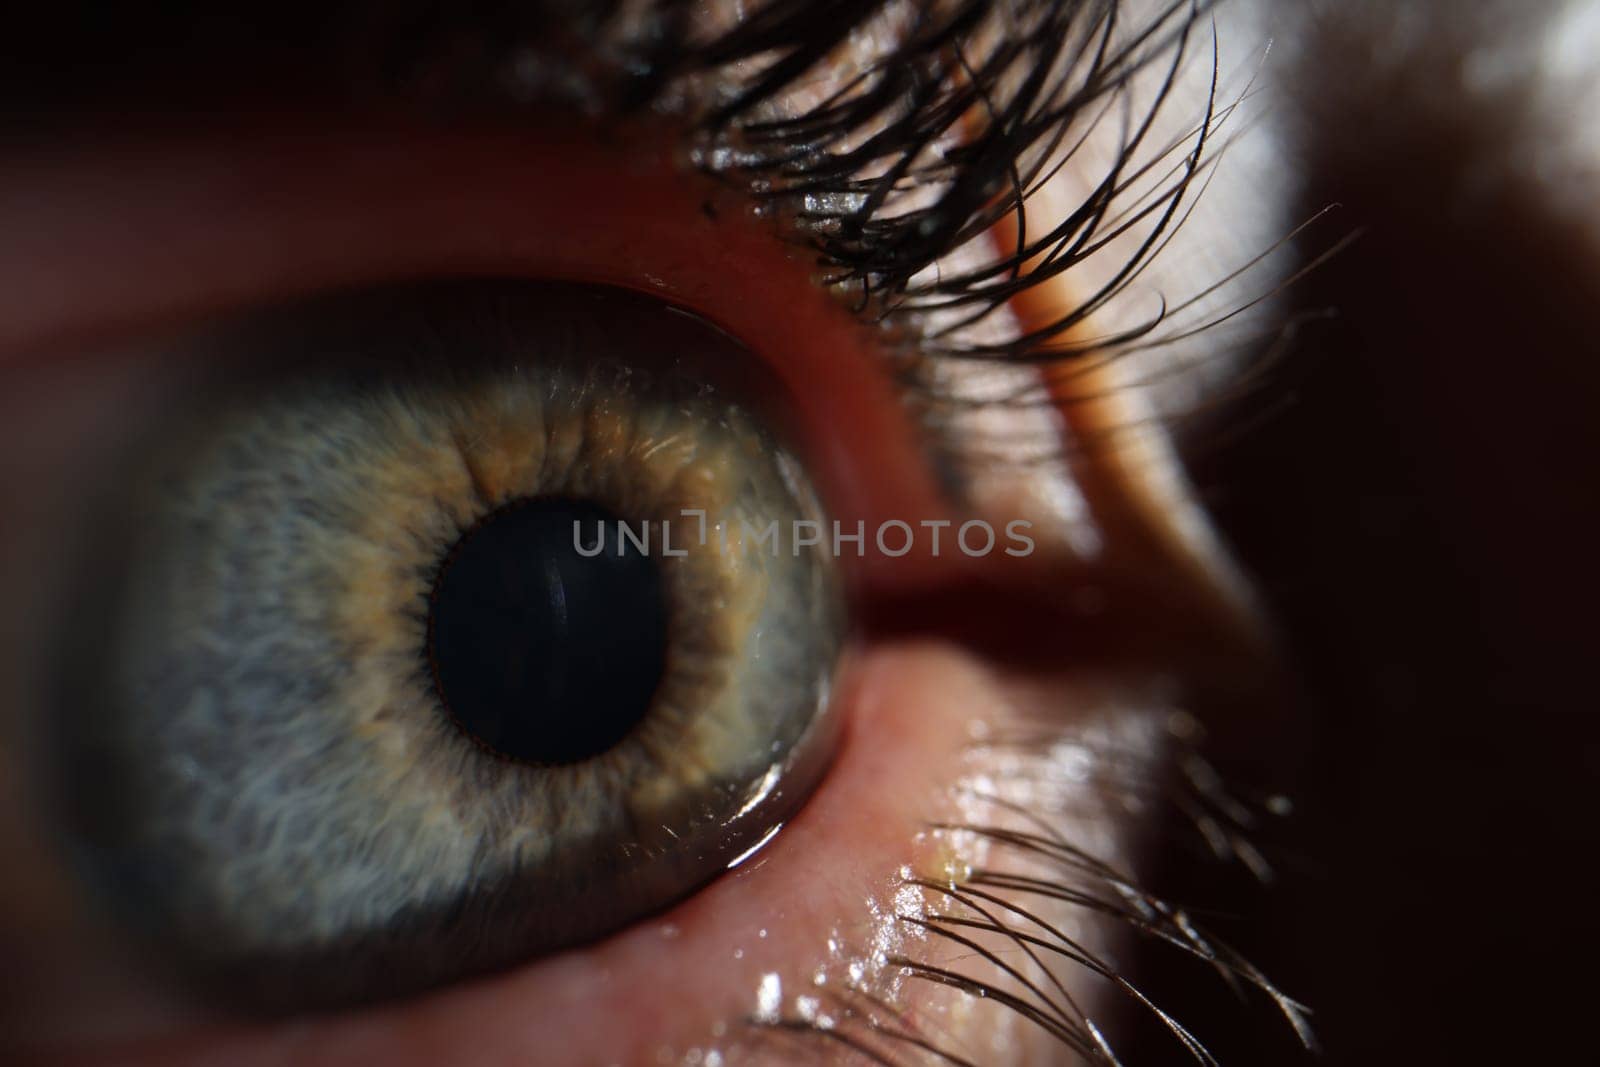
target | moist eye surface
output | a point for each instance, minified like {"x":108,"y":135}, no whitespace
{"x":480,"y":631}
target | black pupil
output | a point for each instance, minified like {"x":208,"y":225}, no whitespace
{"x":539,"y":651}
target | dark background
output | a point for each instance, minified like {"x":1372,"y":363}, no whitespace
{"x":1422,"y":515}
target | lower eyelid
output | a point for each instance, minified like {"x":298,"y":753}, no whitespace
{"x":692,"y":977}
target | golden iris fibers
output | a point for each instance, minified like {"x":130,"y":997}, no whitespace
{"x":279,"y":796}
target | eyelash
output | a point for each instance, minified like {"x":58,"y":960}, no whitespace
{"x":889,"y":204}
{"x":940,"y":139}
{"x":1009,"y":954}
{"x":899,"y":181}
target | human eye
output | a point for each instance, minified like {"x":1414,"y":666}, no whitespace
{"x":280,"y":378}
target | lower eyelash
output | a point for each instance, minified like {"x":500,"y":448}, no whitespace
{"x":991,"y":915}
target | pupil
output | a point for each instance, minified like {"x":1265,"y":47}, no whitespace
{"x":540,"y":653}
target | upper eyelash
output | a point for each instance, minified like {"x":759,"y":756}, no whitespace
{"x":941,"y":137}
{"x":946,"y":137}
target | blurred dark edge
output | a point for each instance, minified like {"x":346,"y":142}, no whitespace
{"x":1422,"y":515}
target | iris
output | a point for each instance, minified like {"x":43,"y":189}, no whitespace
{"x":356,"y":716}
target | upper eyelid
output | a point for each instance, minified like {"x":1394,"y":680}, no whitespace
{"x":971,"y":66}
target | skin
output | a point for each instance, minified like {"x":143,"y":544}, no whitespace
{"x":208,"y":220}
